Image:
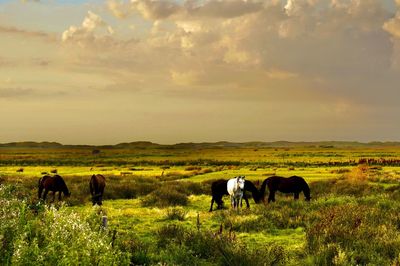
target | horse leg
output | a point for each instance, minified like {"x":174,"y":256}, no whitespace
{"x":100,"y":200}
{"x":296,"y":196}
{"x":40,"y":192}
{"x":220,"y":204}
{"x":246,"y":200}
{"x":212,"y":202}
{"x":45,"y":194}
{"x":59,"y":196}
{"x":306,"y":192}
{"x":101,"y":196}
{"x":54,"y":196}
{"x":271,"y":196}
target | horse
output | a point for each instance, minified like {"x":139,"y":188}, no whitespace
{"x":96,"y":185}
{"x":235,"y":187}
{"x":219,"y":189}
{"x":293,"y":184}
{"x":55,"y":184}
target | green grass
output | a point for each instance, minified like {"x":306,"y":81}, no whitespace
{"x":133,"y":174}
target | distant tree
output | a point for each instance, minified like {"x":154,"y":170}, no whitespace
{"x":95,"y":151}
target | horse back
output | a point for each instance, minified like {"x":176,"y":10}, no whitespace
{"x":97,"y":184}
{"x":42,"y":181}
{"x":233,"y":188}
{"x":293,"y":184}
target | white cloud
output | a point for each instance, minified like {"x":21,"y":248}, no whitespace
{"x":338,"y":42}
{"x":92,"y":29}
{"x":392,"y":26}
{"x":164,"y":9}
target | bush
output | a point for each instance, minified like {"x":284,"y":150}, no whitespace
{"x":170,"y":234}
{"x":197,"y":247}
{"x":193,"y":168}
{"x":46,"y":236}
{"x":166,"y":196}
{"x":139,"y":251}
{"x":356,"y":234}
{"x":176,"y":214}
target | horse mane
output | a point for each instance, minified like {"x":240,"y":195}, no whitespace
{"x":262,"y":188}
{"x":93,"y":180}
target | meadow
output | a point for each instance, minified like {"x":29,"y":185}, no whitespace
{"x":157,"y":200}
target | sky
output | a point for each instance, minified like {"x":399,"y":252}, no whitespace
{"x":105,"y":72}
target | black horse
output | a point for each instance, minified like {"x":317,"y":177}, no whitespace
{"x":293,"y":184}
{"x":55,"y":184}
{"x":97,"y":184}
{"x":219,"y":189}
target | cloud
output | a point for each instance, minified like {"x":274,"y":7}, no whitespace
{"x":392,"y":26}
{"x":155,"y":10}
{"x":27,"y":33}
{"x":280,"y":74}
{"x":282,"y":45}
{"x":118,"y":8}
{"x":222,"y":9}
{"x":164,"y":9}
{"x":93,"y":29}
{"x":15,"y":92}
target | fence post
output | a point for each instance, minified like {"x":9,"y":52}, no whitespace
{"x":104,"y":222}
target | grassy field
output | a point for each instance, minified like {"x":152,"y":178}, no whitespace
{"x":353,"y":217}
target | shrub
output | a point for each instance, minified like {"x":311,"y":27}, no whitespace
{"x":166,"y":196}
{"x":176,"y":214}
{"x":173,"y":176}
{"x":193,"y":168}
{"x":357,"y":234}
{"x":197,"y":247}
{"x":171,"y":233}
{"x":47,"y":236}
{"x":139,"y":251}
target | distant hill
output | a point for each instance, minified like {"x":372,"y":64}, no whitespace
{"x":202,"y":145}
{"x":32,"y":144}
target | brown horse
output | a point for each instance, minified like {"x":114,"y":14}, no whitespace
{"x":55,"y":184}
{"x":97,"y":184}
{"x":293,"y":184}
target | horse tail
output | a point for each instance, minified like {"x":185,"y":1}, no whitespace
{"x":263,"y":186}
{"x":40,"y":187}
{"x":91,"y":185}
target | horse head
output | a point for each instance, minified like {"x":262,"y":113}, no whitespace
{"x":240,"y":181}
{"x":67,"y":193}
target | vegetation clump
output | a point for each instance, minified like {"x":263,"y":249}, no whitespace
{"x":41,"y":235}
{"x":354,"y":234}
{"x":165,"y":196}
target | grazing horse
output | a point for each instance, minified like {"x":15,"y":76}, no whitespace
{"x":293,"y":184}
{"x":97,"y":184}
{"x":55,"y":184}
{"x":235,"y":187}
{"x":219,"y":189}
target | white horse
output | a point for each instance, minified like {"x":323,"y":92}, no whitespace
{"x":235,"y":188}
